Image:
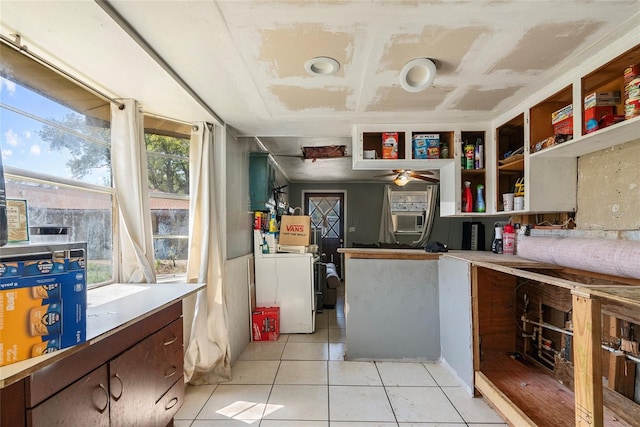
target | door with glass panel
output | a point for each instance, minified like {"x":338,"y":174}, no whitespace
{"x":327,"y":211}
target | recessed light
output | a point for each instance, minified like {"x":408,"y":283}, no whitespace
{"x":417,"y":74}
{"x":322,"y":66}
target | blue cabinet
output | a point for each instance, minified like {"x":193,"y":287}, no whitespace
{"x":262,"y":181}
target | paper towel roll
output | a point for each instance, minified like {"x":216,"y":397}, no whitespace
{"x":613,"y":257}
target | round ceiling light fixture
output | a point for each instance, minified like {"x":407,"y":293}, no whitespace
{"x":322,"y":66}
{"x":417,"y":74}
{"x":402,"y":179}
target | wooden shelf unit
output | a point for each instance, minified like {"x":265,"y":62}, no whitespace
{"x":509,"y":138}
{"x":537,"y":375}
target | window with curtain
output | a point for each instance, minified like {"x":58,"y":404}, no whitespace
{"x":168,"y":167}
{"x":55,"y":141}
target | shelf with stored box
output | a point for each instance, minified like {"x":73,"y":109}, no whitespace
{"x":546,"y":184}
{"x":604,"y":112}
{"x":367,"y":150}
{"x":394,"y":147}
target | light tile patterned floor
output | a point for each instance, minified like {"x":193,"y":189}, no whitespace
{"x":302,"y":380}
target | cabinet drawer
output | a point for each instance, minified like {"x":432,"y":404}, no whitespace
{"x":169,"y":338}
{"x":169,"y":368}
{"x":168,"y":405}
{"x":85,"y":402}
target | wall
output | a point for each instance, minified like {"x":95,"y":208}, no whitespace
{"x":239,"y":244}
{"x":364,"y":206}
{"x":237,"y":277}
{"x":239,"y":218}
{"x":609,"y":189}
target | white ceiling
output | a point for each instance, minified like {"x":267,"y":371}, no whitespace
{"x":244,"y":60}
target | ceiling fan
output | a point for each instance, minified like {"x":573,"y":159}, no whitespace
{"x":403,"y":176}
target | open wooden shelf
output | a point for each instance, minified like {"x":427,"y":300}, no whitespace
{"x":540,"y":398}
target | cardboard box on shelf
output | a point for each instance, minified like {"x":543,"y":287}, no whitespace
{"x":601,"y":99}
{"x":266,"y":323}
{"x":426,"y":146}
{"x":43,"y":307}
{"x":390,"y":145}
{"x":563,"y":127}
{"x":593,"y":115}
{"x":562,"y":114}
{"x":420,"y":153}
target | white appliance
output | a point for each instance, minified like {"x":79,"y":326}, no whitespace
{"x":285,"y":280}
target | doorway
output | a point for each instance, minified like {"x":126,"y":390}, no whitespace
{"x":327,"y":219}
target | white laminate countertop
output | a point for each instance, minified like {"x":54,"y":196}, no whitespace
{"x":110,"y":309}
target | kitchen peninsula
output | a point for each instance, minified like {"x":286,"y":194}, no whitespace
{"x":391,"y":304}
{"x":491,"y":318}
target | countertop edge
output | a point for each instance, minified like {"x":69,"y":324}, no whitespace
{"x":15,"y":372}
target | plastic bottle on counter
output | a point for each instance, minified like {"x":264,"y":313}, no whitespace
{"x":467,"y":198}
{"x":509,"y":240}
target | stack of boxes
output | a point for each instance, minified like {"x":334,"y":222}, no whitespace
{"x":426,"y":146}
{"x":43,"y":305}
{"x":600,"y":110}
{"x":562,"y":121}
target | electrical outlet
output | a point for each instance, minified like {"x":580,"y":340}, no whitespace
{"x":352,"y":229}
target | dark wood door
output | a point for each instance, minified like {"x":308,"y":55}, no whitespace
{"x":327,"y":212}
{"x":132,"y":385}
{"x":85,"y":402}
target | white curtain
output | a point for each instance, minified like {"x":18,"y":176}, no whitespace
{"x":130,"y":180}
{"x":386,"y":234}
{"x":207,"y":349}
{"x":432,"y":198}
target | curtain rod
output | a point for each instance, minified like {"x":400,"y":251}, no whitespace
{"x":24,"y":49}
{"x":110,"y":10}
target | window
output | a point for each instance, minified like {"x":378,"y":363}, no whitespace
{"x":168,"y":167}
{"x":55,"y":141}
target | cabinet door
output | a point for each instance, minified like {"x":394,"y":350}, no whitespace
{"x":85,"y":402}
{"x":132,"y":381}
{"x":261,"y":180}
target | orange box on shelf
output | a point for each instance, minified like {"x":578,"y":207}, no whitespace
{"x":266,"y":323}
{"x":390,"y":145}
{"x":593,"y":115}
{"x":563,"y":127}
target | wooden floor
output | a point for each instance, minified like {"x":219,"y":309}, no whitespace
{"x":543,"y":399}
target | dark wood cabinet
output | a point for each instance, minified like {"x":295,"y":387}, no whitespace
{"x":142,"y":375}
{"x":131,"y":378}
{"x":87,"y":399}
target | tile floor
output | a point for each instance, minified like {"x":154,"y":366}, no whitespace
{"x":302,"y":380}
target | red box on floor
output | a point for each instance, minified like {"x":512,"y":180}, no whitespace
{"x":266,"y":323}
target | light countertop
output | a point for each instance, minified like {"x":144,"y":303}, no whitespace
{"x":110,"y":309}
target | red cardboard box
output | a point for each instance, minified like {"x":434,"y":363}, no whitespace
{"x":593,"y":115}
{"x":563,"y":127}
{"x":266,"y":323}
